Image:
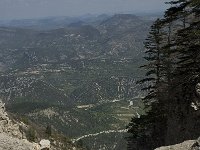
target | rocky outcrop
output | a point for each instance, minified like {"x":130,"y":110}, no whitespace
{"x":187,"y":145}
{"x":6,"y":125}
{"x":11,"y":143}
{"x":45,"y":144}
{"x":10,"y":136}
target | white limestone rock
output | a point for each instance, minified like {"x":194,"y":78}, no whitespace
{"x":10,"y":135}
{"x":187,"y":145}
{"x":11,"y":143}
{"x":45,"y":144}
{"x":6,"y":125}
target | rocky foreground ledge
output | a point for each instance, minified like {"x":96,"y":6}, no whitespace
{"x":10,"y":143}
{"x":10,"y":136}
{"x":187,"y":145}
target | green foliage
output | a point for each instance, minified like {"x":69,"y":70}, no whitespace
{"x":172,"y":73}
{"x":60,"y":69}
{"x":31,"y":134}
{"x":48,"y":130}
{"x":25,"y":120}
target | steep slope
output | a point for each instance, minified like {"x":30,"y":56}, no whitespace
{"x":9,"y":143}
{"x":10,"y":135}
{"x":16,"y":135}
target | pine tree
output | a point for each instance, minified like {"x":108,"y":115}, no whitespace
{"x":154,"y":67}
{"x":48,"y":130}
{"x":185,"y":78}
{"x":31,"y":134}
{"x":171,"y":79}
{"x":153,"y":81}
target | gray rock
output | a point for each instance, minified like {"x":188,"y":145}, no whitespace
{"x":6,"y":125}
{"x":187,"y":145}
{"x":11,"y":143}
{"x":10,"y":135}
{"x":45,"y":144}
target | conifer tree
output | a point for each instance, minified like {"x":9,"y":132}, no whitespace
{"x":141,"y":126}
{"x":173,"y":70}
{"x":153,"y":56}
{"x":48,"y":130}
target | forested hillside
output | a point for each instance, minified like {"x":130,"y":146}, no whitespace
{"x":172,"y":80}
{"x":80,"y":79}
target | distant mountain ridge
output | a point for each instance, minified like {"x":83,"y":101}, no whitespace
{"x":119,"y":35}
{"x":75,"y":73}
{"x":49,"y":23}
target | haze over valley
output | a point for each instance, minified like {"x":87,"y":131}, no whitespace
{"x":99,"y":74}
{"x":76,"y":74}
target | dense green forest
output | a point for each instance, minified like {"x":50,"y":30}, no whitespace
{"x":172,"y":80}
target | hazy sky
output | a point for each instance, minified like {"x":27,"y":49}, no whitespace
{"x":15,"y":9}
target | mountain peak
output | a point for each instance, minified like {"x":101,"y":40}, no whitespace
{"x":125,"y":16}
{"x":121,"y":19}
